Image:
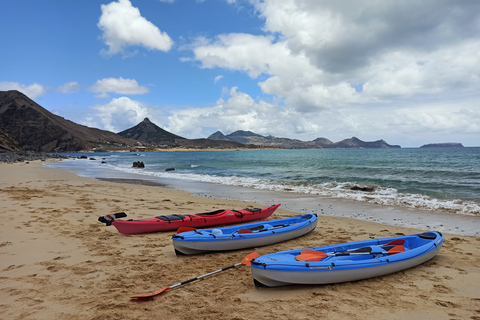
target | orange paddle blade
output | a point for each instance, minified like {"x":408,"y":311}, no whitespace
{"x":396,"y":249}
{"x":185,"y":229}
{"x":249,"y":257}
{"x":311,"y":255}
{"x":244,"y":231}
{"x":151,"y":294}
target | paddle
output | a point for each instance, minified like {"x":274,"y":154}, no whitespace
{"x":246,"y":261}
{"x":185,"y":229}
{"x":245,"y":231}
{"x":109,"y":218}
{"x":392,"y":247}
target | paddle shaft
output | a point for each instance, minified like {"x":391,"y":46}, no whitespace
{"x":247,"y":260}
{"x":205,"y":275}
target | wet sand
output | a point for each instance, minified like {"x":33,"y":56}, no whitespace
{"x":59,"y":262}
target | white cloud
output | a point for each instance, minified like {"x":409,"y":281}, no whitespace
{"x":120,"y":86}
{"x":69,"y":87}
{"x":123,"y":26}
{"x":118,"y":115}
{"x":352,"y":66}
{"x":32,"y":91}
{"x":330,"y":54}
{"x":217,"y":78}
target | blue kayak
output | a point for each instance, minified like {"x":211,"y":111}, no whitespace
{"x":243,"y":236}
{"x":345,"y":262}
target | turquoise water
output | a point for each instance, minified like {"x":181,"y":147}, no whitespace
{"x":434,"y":178}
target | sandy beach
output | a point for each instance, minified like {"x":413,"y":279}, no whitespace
{"x":58,"y":262}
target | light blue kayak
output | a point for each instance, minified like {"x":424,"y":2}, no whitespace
{"x":243,"y":236}
{"x":345,"y":262}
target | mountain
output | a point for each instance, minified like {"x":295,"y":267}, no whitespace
{"x":248,"y":137}
{"x":34,"y":128}
{"x":147,"y":131}
{"x":357,"y":143}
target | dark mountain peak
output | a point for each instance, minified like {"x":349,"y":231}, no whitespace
{"x":217,"y":136}
{"x":242,"y":133}
{"x":149,"y":132}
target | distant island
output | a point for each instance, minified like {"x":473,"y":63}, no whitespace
{"x":443,"y":145}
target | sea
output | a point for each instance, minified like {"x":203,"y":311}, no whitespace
{"x":439,"y":179}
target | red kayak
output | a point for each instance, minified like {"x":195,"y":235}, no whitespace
{"x":175,"y":221}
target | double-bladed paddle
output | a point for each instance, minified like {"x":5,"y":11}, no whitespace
{"x":246,"y":261}
{"x":393,"y":247}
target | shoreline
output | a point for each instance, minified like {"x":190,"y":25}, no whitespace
{"x":58,"y":262}
{"x":420,"y":219}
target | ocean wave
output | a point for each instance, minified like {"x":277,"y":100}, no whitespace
{"x":379,"y":195}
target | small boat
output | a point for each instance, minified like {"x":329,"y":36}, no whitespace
{"x":243,"y":236}
{"x":175,"y":221}
{"x":345,"y":262}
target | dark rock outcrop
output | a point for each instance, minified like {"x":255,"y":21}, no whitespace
{"x":138,"y":164}
{"x":7,"y":143}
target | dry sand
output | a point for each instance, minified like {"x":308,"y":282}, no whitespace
{"x":58,"y":262}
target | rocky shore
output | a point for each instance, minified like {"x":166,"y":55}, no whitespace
{"x":22,"y":156}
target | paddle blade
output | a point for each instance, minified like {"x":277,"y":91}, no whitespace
{"x":249,"y":257}
{"x":151,"y":294}
{"x":185,"y":229}
{"x":396,"y":242}
{"x":242,"y":231}
{"x":310,"y":255}
{"x":396,"y":249}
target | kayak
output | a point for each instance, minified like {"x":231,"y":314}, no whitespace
{"x":345,"y":262}
{"x":243,"y":236}
{"x":175,"y":221}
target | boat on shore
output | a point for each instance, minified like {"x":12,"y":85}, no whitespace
{"x":345,"y":262}
{"x":243,"y":236}
{"x":175,"y":221}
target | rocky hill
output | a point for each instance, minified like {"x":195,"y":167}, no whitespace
{"x":153,"y":136}
{"x":34,"y":128}
{"x":26,"y":126}
{"x":248,"y":137}
{"x":147,"y":131}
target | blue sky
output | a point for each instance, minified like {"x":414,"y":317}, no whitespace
{"x":407,"y":71}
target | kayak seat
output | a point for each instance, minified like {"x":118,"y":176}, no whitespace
{"x":210,"y":213}
{"x":173,"y":217}
{"x":257,"y":228}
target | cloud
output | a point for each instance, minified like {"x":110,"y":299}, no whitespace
{"x":32,"y":91}
{"x":120,"y":86}
{"x":321,"y":54}
{"x":118,"y":115}
{"x":69,"y":87}
{"x":123,"y":26}
{"x":217,"y":78}
{"x":238,"y":112}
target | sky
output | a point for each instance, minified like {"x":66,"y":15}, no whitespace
{"x":407,"y":72}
